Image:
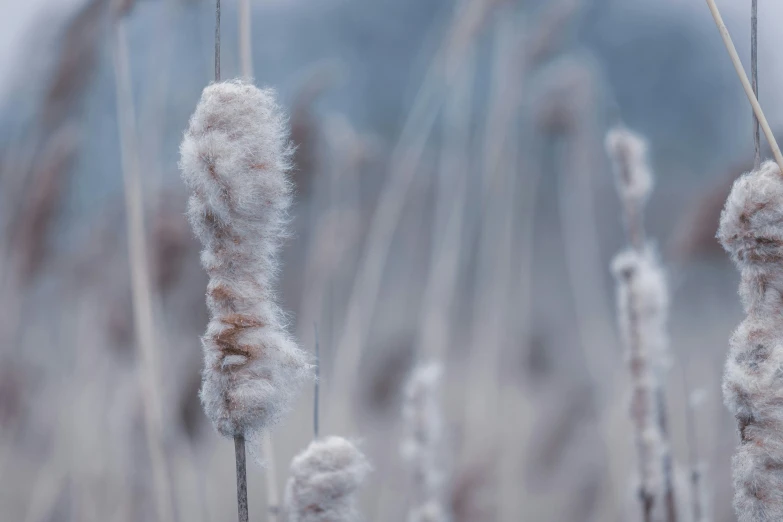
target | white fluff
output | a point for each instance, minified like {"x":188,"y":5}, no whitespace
{"x":628,"y":152}
{"x":642,"y":304}
{"x":751,"y":230}
{"x":422,"y":442}
{"x":234,"y":159}
{"x":323,"y":482}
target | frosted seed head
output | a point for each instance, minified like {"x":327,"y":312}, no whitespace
{"x":751,"y":225}
{"x":323,"y":481}
{"x":628,"y":152}
{"x":234,"y":159}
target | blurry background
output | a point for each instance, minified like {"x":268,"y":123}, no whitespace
{"x":454,"y":198}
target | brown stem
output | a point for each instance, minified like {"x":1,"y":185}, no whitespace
{"x":239,"y":452}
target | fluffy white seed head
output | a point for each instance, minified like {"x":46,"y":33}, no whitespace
{"x":751,"y":230}
{"x":751,"y":225}
{"x":422,"y":442}
{"x":234,"y":159}
{"x":642,"y":299}
{"x":628,"y":152}
{"x":324,"y":480}
{"x":642,"y":283}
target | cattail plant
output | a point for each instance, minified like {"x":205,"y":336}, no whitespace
{"x":639,"y":297}
{"x":751,"y":231}
{"x":643,"y":306}
{"x":234,"y":159}
{"x":423,"y":442}
{"x":323,"y":482}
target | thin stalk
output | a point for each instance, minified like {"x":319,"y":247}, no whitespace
{"x":217,"y":40}
{"x":405,"y":160}
{"x":317,"y":383}
{"x":272,"y":493}
{"x":239,"y":440}
{"x":749,"y":91}
{"x":693,"y":450}
{"x":636,"y":235}
{"x":496,"y":234}
{"x":140,"y":281}
{"x":245,"y":38}
{"x":754,"y":74}
{"x":239,"y":453}
{"x":638,"y":363}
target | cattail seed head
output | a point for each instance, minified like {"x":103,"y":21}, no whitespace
{"x":641,"y":298}
{"x":628,"y":152}
{"x":751,"y":231}
{"x":751,"y":225}
{"x":422,"y":443}
{"x":323,"y":482}
{"x":234,"y":159}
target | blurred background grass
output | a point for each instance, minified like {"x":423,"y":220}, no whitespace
{"x":453,"y":196}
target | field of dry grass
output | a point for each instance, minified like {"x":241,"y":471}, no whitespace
{"x":453,"y":202}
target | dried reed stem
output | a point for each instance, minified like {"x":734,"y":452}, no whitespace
{"x":754,"y":74}
{"x":217,"y":40}
{"x":634,"y":183}
{"x":749,"y":91}
{"x":245,"y":39}
{"x":317,"y":384}
{"x":574,"y":99}
{"x":631,"y":269}
{"x":448,"y":231}
{"x":140,"y":282}
{"x":697,"y":498}
{"x":496,"y":234}
{"x":272,"y":493}
{"x":404,"y":162}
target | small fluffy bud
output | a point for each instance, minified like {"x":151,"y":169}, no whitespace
{"x":751,"y":230}
{"x":323,"y":482}
{"x":628,"y":152}
{"x":234,"y":159}
{"x":423,"y":442}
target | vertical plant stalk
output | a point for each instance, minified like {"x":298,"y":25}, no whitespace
{"x":630,"y":270}
{"x":272,"y":493}
{"x":695,"y":478}
{"x":239,"y":454}
{"x":317,"y":385}
{"x":576,"y":93}
{"x":749,"y":92}
{"x":754,"y":74}
{"x":634,"y":183}
{"x":217,"y":40}
{"x":235,"y":159}
{"x":496,"y":236}
{"x":140,"y":281}
{"x":245,"y":39}
{"x":404,"y":162}
{"x":447,"y":235}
